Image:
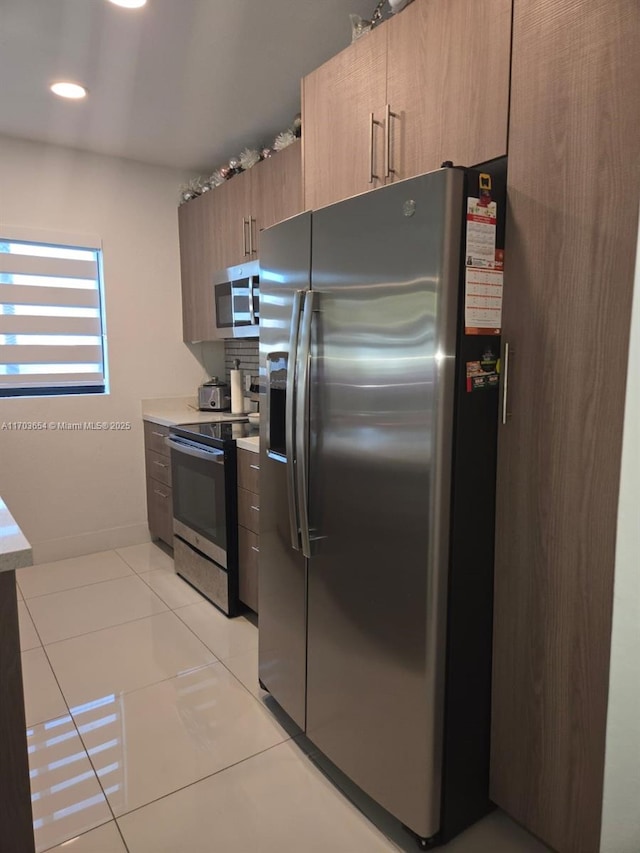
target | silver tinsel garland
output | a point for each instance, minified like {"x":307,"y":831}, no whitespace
{"x":246,"y":160}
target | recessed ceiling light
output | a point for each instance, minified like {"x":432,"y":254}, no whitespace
{"x":69,"y":90}
{"x":129,"y":4}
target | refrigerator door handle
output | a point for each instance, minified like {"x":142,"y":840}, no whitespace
{"x":302,"y":420}
{"x":290,"y":414}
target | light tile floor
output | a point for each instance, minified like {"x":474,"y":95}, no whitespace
{"x":148,"y":731}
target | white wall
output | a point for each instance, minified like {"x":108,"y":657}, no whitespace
{"x":77,"y":492}
{"x":621,"y":807}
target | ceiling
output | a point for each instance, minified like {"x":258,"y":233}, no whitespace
{"x":183,"y":83}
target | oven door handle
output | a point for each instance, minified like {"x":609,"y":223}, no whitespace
{"x":211,"y":455}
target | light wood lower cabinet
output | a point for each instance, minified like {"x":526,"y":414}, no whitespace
{"x":159,"y":494}
{"x":248,"y":527}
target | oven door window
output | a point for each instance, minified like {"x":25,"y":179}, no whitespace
{"x":199,"y":496}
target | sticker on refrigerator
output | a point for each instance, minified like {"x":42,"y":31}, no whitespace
{"x":483,"y":270}
{"x":483,"y":375}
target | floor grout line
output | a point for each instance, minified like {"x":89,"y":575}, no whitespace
{"x":204,"y":778}
{"x":91,"y":764}
{"x":79,"y":835}
{"x":117,"y":625}
{"x":105,"y":627}
{"x":286,"y":737}
{"x":131,"y":574}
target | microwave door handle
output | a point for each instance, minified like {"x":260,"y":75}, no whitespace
{"x":302,"y":420}
{"x":212,"y":455}
{"x":252,"y":313}
{"x":289,"y":416}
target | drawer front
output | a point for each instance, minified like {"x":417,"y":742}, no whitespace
{"x":160,"y":510}
{"x":248,"y":559}
{"x":249,"y":510}
{"x":207,"y":577}
{"x":249,"y":471}
{"x":154,"y":436}
{"x":158,"y":467}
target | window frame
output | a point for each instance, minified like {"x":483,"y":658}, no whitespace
{"x":63,"y":240}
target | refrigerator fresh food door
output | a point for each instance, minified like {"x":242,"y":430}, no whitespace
{"x":385,"y":273}
{"x":285,"y":267}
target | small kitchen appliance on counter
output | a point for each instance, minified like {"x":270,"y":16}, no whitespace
{"x":214,"y":396}
{"x":205,"y":514}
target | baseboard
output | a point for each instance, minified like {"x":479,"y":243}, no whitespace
{"x":89,"y":543}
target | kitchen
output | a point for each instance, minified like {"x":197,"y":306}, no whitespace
{"x":47,"y":479}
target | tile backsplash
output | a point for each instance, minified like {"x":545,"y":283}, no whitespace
{"x":246,"y":351}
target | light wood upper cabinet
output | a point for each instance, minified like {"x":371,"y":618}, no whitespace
{"x":230,"y":222}
{"x":337,"y":102}
{"x":276,"y":191}
{"x":195,"y":224}
{"x":448,"y":84}
{"x":221,"y":229}
{"x":435,"y":77}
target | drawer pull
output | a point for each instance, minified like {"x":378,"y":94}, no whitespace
{"x":255,"y":467}
{"x":158,"y":492}
{"x":256,"y":508}
{"x":159,"y":464}
{"x":253,"y":548}
{"x":159,"y":434}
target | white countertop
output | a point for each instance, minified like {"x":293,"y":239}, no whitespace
{"x":252,"y":443}
{"x":15,"y":550}
{"x":170,"y":411}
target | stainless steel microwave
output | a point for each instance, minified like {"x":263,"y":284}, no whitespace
{"x":237,"y":301}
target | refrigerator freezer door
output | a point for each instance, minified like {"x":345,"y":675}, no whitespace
{"x":285,"y":263}
{"x":385,"y":272}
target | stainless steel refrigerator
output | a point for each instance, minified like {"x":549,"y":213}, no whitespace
{"x":379,"y":344}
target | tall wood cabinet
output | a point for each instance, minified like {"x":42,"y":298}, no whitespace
{"x":221,"y":229}
{"x":573,"y":185}
{"x":430,"y":84}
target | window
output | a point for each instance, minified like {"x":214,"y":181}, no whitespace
{"x":52,"y":336}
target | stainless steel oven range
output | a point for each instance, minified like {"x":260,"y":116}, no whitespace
{"x":205,"y":519}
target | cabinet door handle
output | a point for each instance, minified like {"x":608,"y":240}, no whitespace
{"x":251,"y":222}
{"x":245,"y":250}
{"x":506,"y":414}
{"x":159,"y":464}
{"x":255,"y":467}
{"x":162,"y":494}
{"x":387,"y":151}
{"x":372,"y":122}
{"x":253,"y":548}
{"x":256,"y":508}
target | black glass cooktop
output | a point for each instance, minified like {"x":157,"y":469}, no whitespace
{"x":216,"y":434}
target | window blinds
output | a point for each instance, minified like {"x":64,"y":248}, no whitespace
{"x":51,"y":323}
